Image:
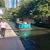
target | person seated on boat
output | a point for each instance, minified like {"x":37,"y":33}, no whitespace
{"x":25,"y":22}
{"x":20,"y":22}
{"x":17,"y":19}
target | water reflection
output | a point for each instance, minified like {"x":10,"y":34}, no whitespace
{"x":25,"y":33}
{"x":29,"y":44}
{"x":35,"y":40}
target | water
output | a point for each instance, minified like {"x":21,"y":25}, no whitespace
{"x":24,"y":33}
{"x":29,"y":44}
{"x":35,"y":40}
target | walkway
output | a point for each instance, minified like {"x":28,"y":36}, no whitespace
{"x":11,"y":40}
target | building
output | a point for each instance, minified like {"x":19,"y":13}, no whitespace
{"x":11,"y":3}
{"x":18,"y":2}
{"x":6,"y":3}
{"x":1,"y":12}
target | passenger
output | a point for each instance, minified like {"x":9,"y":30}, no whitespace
{"x":25,"y":22}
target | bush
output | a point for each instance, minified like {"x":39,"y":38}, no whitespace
{"x":7,"y":15}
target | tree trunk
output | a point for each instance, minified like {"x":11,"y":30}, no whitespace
{"x":49,"y":20}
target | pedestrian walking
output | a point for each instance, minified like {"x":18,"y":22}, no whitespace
{"x":3,"y":27}
{"x":0,"y":24}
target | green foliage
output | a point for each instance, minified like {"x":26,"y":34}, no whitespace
{"x":3,"y":3}
{"x":42,"y":8}
{"x":24,"y":9}
{"x":31,"y":8}
{"x":7,"y":15}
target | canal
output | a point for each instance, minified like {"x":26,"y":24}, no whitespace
{"x":36,"y":39}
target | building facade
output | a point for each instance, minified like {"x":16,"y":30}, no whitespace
{"x":6,"y":3}
{"x":11,"y":3}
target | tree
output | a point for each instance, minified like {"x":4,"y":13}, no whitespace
{"x":25,"y":8}
{"x":42,"y":8}
{"x":32,"y":8}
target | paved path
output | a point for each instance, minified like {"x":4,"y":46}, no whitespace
{"x":11,"y":40}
